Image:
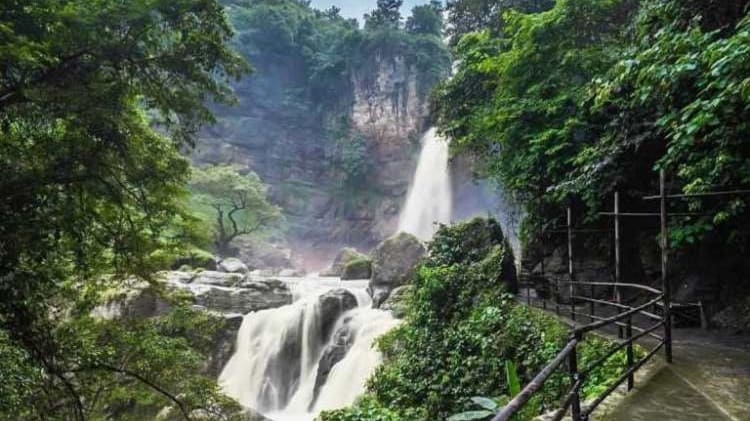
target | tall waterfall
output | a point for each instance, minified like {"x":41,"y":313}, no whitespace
{"x":429,"y":200}
{"x":275,"y":368}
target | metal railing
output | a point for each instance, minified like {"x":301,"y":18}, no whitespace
{"x":623,"y":320}
{"x":658,"y":310}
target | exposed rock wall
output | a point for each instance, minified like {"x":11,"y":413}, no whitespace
{"x":290,"y":146}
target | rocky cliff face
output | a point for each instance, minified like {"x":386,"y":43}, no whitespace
{"x":291,"y":146}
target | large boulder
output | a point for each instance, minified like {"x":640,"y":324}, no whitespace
{"x":332,"y":305}
{"x":344,"y":256}
{"x":223,"y":279}
{"x":196,"y":259}
{"x":225,"y":341}
{"x":396,"y":301}
{"x":262,"y":255}
{"x":248,"y":296}
{"x":471,"y":243}
{"x":357,"y":269}
{"x":334,"y":352}
{"x":394,"y":263}
{"x":233,"y":265}
{"x":135,"y":300}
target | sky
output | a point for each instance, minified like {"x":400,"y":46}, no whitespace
{"x":357,"y":8}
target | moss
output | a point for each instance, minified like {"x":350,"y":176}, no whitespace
{"x":357,"y":268}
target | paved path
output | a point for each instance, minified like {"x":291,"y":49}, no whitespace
{"x":709,"y":380}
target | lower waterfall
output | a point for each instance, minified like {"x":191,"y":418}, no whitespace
{"x":292,"y":362}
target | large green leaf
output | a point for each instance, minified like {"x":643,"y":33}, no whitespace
{"x":511,"y":376}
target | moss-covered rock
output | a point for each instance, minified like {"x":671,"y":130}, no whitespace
{"x":472,"y":242}
{"x":196,"y":259}
{"x":360,"y":268}
{"x":343,"y":257}
{"x":394,"y":263}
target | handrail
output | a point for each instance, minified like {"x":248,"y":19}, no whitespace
{"x":622,"y":324}
{"x":571,"y":402}
{"x":568,"y":401}
{"x":613,"y":284}
{"x":618,"y":305}
{"x":619,"y":347}
{"x":523,"y":397}
{"x":589,"y":409}
{"x":616,"y":318}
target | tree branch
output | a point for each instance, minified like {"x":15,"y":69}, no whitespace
{"x":143,"y":380}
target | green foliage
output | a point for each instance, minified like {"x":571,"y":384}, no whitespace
{"x":593,"y":96}
{"x":236,"y":203}
{"x":369,"y":409}
{"x":466,"y":16}
{"x":91,"y":189}
{"x":464,"y":336}
{"x":460,"y":328}
{"x":536,"y":77}
{"x":386,"y":15}
{"x":489,"y":406}
{"x":426,"y":19}
{"x":677,"y":101}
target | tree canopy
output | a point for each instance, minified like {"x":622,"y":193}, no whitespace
{"x":593,"y":96}
{"x":236,"y":203}
{"x":96,"y":100}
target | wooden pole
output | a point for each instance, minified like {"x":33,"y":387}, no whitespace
{"x":571,"y":275}
{"x":664,"y":263}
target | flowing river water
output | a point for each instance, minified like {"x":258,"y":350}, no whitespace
{"x":288,"y":363}
{"x":275,"y":367}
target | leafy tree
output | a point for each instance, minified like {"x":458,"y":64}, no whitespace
{"x":238,"y":203}
{"x":590,"y":100}
{"x":90,"y":188}
{"x":677,"y":101}
{"x":426,"y":19}
{"x":524,"y":125}
{"x":386,"y":15}
{"x":466,"y":16}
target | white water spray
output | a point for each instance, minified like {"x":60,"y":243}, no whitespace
{"x":429,"y":201}
{"x":275,"y":365}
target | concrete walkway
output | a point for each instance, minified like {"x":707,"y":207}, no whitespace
{"x":709,"y":380}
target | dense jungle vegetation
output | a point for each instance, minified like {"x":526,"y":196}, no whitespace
{"x":99,"y":102}
{"x":589,"y":97}
{"x":560,"y":102}
{"x":462,"y":329}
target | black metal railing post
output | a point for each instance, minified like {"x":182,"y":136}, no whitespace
{"x":629,"y":351}
{"x":618,"y":272}
{"x":571,"y":274}
{"x":575,"y":407}
{"x":666,"y":289}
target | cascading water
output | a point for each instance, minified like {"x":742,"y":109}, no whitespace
{"x":275,"y":368}
{"x":291,"y":362}
{"x":429,"y":200}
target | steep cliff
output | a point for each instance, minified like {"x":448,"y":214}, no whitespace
{"x":330,"y":119}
